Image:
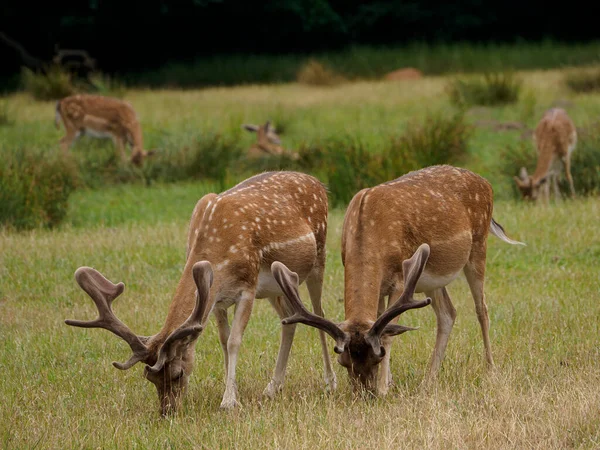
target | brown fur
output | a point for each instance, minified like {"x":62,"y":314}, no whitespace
{"x":441,"y":216}
{"x":104,"y":115}
{"x":274,"y":216}
{"x":555,"y":137}
{"x":407,"y":73}
{"x":267,"y":142}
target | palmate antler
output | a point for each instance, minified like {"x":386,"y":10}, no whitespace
{"x":103,"y":292}
{"x":412,"y":269}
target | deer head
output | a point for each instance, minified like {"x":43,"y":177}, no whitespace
{"x":168,"y":363}
{"x":528,"y":186}
{"x":358,"y":344}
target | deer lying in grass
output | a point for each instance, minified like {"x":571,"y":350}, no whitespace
{"x":267,"y":142}
{"x":101,"y":117}
{"x":555,"y":138}
{"x":412,"y":234}
{"x":233,"y":239}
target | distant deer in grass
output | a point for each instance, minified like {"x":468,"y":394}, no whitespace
{"x":555,"y":138}
{"x":233,"y":239}
{"x":101,"y":117}
{"x":267,"y":142}
{"x":412,"y":234}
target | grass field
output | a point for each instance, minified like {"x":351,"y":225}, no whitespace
{"x":59,"y":390}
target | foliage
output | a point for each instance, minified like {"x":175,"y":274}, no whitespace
{"x":583,"y":80}
{"x":107,"y":85}
{"x":35,"y":188}
{"x":52,"y":85}
{"x":314,"y":73}
{"x":489,"y":90}
{"x":6,"y":118}
{"x":438,"y":139}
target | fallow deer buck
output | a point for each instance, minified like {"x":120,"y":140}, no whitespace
{"x":412,"y":234}
{"x":555,"y":138}
{"x":233,"y":239}
{"x":267,"y":142}
{"x":101,"y":117}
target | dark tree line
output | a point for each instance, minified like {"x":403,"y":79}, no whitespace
{"x":137,"y":35}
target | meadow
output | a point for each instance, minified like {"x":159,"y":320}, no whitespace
{"x":59,"y":390}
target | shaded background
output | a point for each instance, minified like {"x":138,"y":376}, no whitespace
{"x":134,"y":36}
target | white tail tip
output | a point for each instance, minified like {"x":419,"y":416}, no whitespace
{"x":498,"y":231}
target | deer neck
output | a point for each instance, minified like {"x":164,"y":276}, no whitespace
{"x":545,"y":159}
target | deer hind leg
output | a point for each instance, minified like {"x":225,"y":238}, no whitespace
{"x":445,"y":315}
{"x":557,"y":195}
{"x":287,"y":338}
{"x":314,"y":283}
{"x":224,"y":331}
{"x":567,"y":163}
{"x":475,"y":274}
{"x":243,"y":309}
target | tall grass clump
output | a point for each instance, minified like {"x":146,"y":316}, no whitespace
{"x":35,"y":188}
{"x":108,"y":86}
{"x":213,"y":157}
{"x":6,"y":118}
{"x":490,"y":89}
{"x":52,"y":85}
{"x":583,"y":80}
{"x":315,"y":73}
{"x":438,"y":139}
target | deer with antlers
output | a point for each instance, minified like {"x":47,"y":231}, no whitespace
{"x":233,"y":239}
{"x":267,"y":142}
{"x":101,"y":117}
{"x":412,"y":234}
{"x":555,"y":138}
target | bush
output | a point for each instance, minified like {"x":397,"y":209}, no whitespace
{"x":489,"y":90}
{"x":35,"y":188}
{"x":583,"y":80}
{"x":105,"y":85}
{"x":314,"y":73}
{"x":6,"y":118}
{"x":53,"y":85}
{"x":439,"y":139}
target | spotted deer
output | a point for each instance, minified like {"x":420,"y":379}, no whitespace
{"x":267,"y":142}
{"x":413,"y":234}
{"x":233,"y":239}
{"x":555,"y":138}
{"x":101,"y":117}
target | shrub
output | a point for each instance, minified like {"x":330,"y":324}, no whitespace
{"x":583,"y":80}
{"x":53,"y":85}
{"x":211,"y":157}
{"x":439,"y":139}
{"x":316,"y":74}
{"x":105,"y":85}
{"x":489,"y":90}
{"x":35,"y":188}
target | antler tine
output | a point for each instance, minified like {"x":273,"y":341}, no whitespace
{"x":103,"y":292}
{"x":412,"y":269}
{"x":190,"y":330}
{"x":288,"y":281}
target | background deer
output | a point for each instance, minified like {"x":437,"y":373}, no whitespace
{"x":233,"y":239}
{"x":412,"y":234}
{"x":101,"y":117}
{"x":267,"y":142}
{"x":555,"y":138}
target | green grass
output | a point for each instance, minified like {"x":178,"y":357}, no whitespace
{"x":58,"y":388}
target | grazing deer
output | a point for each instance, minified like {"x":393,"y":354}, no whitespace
{"x":101,"y":117}
{"x":555,"y":138}
{"x":267,"y":142}
{"x":233,"y":239}
{"x":412,"y":234}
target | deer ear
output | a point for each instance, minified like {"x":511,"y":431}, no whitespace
{"x":394,"y":330}
{"x":523,"y":174}
{"x":250,"y":127}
